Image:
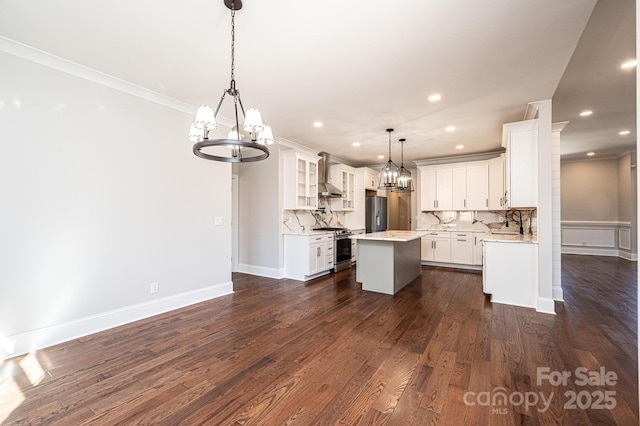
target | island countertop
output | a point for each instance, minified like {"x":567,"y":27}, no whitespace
{"x":390,"y":236}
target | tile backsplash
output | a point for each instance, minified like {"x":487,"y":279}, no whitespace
{"x":480,"y":220}
{"x":306,"y":220}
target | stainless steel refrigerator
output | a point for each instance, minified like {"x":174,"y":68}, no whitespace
{"x":376,"y":214}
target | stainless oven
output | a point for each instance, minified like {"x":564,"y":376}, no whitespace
{"x":341,"y":248}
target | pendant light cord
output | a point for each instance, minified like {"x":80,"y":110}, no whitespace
{"x":233,"y":46}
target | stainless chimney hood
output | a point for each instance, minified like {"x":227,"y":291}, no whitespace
{"x":325,"y":189}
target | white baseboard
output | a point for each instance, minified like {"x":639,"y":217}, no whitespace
{"x":628,"y":256}
{"x":29,"y":341}
{"x":546,"y":305}
{"x":594,"y":251}
{"x":452,"y":265}
{"x":590,"y":251}
{"x":261,"y":271}
{"x":558,"y":294}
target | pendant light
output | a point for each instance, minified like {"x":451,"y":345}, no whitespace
{"x":404,"y":176}
{"x":389,"y":172}
{"x":232,"y":149}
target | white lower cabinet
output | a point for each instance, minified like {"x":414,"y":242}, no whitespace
{"x":462,"y":248}
{"x":306,"y":256}
{"x":454,"y":247}
{"x":477,"y":248}
{"x":436,"y":247}
{"x":354,"y":246}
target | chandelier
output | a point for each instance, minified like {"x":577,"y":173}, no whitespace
{"x":232,"y":149}
{"x":404,"y":176}
{"x":389,"y":172}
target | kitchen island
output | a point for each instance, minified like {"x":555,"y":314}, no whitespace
{"x":387,"y":261}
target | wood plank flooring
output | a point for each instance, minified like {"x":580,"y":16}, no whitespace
{"x":325,"y":352}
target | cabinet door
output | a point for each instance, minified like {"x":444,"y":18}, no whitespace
{"x":444,"y":189}
{"x":370,"y":181}
{"x":496,"y":184}
{"x":426,"y":249}
{"x":312,"y":185}
{"x":478,"y":187}
{"x":462,"y":249}
{"x":348,"y":188}
{"x":477,"y":249}
{"x":428,"y":190}
{"x":302,"y":187}
{"x":317,"y":258}
{"x":522,"y":158}
{"x":459,"y":188}
{"x":442,"y":250}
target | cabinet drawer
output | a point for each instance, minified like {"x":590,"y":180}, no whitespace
{"x":461,"y":235}
{"x":320,"y":238}
{"x":438,"y":234}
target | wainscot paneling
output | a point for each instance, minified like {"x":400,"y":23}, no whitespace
{"x":597,"y":238}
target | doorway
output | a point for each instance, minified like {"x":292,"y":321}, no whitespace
{"x":399,"y":210}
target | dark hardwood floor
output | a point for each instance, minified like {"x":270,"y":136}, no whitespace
{"x":325,"y":352}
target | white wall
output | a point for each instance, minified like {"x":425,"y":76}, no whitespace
{"x":259,"y":222}
{"x":100,"y":196}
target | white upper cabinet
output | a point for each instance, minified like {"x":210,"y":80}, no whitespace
{"x":436,"y":191}
{"x":370,"y":179}
{"x":343,"y":177}
{"x":460,"y":186}
{"x":496,"y":184}
{"x":477,"y":187}
{"x":300,"y":173}
{"x":521,"y":167}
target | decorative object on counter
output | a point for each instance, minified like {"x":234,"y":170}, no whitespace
{"x":389,"y":172}
{"x":405,"y":184}
{"x":232,"y":149}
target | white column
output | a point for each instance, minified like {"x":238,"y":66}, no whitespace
{"x":545,"y":209}
{"x":556,"y":128}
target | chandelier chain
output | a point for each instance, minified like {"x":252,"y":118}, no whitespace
{"x":233,"y":43}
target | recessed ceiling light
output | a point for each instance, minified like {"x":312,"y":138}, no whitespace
{"x":459,"y":146}
{"x":356,"y":144}
{"x":629,"y":64}
{"x":624,"y":133}
{"x":435,"y":97}
{"x":591,"y":154}
{"x":586,"y":113}
{"x":317,"y":124}
{"x":450,"y":128}
{"x":380,"y":157}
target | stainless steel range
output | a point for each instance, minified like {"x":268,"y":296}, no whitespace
{"x":341,"y":248}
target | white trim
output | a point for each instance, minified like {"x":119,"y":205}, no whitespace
{"x":261,"y":271}
{"x":558,"y":294}
{"x":46,"y":59}
{"x":59,"y":333}
{"x":593,"y":223}
{"x":546,"y":305}
{"x":592,"y":251}
{"x":452,"y":265}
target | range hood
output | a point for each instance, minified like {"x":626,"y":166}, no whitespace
{"x":325,"y":189}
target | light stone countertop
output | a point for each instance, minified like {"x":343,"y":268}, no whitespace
{"x":402,"y":236}
{"x":306,"y":232}
{"x":510,"y":238}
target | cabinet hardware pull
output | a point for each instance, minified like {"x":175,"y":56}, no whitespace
{"x":487,"y":202}
{"x":318,"y":250}
{"x":462,"y":240}
{"x":465,"y":203}
{"x":475,"y":241}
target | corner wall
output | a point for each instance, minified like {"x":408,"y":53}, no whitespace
{"x":101,"y":196}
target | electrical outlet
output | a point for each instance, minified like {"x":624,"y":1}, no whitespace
{"x":218,"y":221}
{"x":154,"y":287}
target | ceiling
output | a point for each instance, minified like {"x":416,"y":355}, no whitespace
{"x":362,"y":66}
